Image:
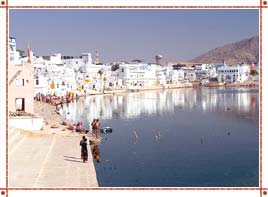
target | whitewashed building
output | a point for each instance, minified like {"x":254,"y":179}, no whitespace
{"x":232,"y":74}
{"x":41,"y":75}
{"x":53,"y":77}
{"x":41,"y":82}
{"x":89,"y":75}
{"x":204,"y":71}
{"x":14,"y":55}
{"x":174,"y":75}
{"x":189,"y":74}
{"x":137,"y":74}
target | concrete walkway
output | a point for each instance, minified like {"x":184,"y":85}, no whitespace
{"x":49,"y":161}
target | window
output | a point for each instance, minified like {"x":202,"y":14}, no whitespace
{"x":37,"y":82}
{"x":20,"y":82}
{"x":12,"y":48}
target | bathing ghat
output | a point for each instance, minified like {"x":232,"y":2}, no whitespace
{"x":48,"y":161}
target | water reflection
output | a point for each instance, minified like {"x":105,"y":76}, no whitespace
{"x":132,"y":105}
{"x":175,"y":138}
{"x":95,"y":152}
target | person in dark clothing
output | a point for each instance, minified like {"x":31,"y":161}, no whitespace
{"x":84,"y":151}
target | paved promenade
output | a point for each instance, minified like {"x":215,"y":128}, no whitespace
{"x":48,"y":161}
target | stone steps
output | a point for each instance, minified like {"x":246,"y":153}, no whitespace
{"x":50,"y":161}
{"x":26,"y":159}
{"x":14,"y":138}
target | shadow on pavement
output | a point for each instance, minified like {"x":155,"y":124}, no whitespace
{"x":73,"y":160}
{"x":71,"y":157}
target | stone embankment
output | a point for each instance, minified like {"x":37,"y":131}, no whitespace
{"x":50,"y":157}
{"x":49,"y":161}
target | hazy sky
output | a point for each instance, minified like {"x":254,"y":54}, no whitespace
{"x":128,"y":34}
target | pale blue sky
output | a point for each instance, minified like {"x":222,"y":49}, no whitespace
{"x":177,"y":34}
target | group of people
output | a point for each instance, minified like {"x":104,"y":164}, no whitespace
{"x":55,"y":100}
{"x":84,"y":150}
{"x":83,"y":143}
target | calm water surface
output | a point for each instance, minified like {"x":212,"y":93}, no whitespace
{"x":175,"y":138}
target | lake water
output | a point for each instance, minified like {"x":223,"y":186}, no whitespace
{"x":205,"y":137}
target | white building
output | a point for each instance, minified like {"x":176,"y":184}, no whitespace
{"x":161,"y":76}
{"x":56,"y":58}
{"x":137,"y":74}
{"x":52,"y":76}
{"x":88,"y":75}
{"x":180,"y":74}
{"x":62,"y":80}
{"x":232,"y":74}
{"x":174,"y":75}
{"x":189,"y":74}
{"x":75,"y":62}
{"x":204,"y":71}
{"x":14,"y":55}
{"x":41,"y":82}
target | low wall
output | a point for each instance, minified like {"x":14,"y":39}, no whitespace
{"x":27,"y":123}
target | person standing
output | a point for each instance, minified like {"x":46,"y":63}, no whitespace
{"x":92,"y":125}
{"x":97,"y":128}
{"x":84,"y":151}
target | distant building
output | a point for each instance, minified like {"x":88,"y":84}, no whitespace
{"x":137,"y":74}
{"x":189,"y":74}
{"x":205,"y":71}
{"x":14,"y":55}
{"x":181,"y":64}
{"x":232,"y":74}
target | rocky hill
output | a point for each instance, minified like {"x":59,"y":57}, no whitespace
{"x":246,"y":50}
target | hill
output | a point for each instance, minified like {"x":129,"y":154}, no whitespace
{"x":246,"y":50}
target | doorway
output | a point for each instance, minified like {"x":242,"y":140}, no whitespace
{"x":20,"y":104}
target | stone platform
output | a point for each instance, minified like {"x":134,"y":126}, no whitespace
{"x":49,"y":161}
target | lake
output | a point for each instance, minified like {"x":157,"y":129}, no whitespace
{"x":204,"y":137}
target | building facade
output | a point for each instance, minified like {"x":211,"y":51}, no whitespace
{"x":233,"y":74}
{"x":20,"y":81}
{"x":21,"y":87}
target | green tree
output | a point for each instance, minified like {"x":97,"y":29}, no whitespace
{"x":115,"y":67}
{"x":254,"y":72}
{"x":100,"y":72}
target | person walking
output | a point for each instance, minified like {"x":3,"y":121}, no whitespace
{"x":84,"y":151}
